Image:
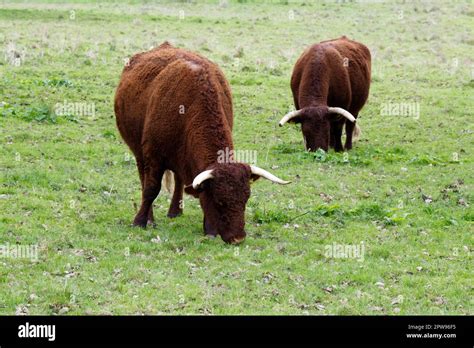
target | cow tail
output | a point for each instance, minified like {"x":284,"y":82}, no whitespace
{"x":356,"y":132}
{"x":168,"y":181}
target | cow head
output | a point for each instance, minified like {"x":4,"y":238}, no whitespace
{"x":316,"y":124}
{"x":223,"y":192}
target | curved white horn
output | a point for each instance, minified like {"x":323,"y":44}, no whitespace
{"x":342,"y":112}
{"x":201,"y":177}
{"x":288,"y":117}
{"x":267,"y":175}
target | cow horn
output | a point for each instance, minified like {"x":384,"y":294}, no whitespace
{"x":342,"y":112}
{"x":267,"y":175}
{"x":288,"y":117}
{"x":201,"y":177}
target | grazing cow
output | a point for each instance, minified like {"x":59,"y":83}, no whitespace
{"x":331,"y":79}
{"x":174,"y":110}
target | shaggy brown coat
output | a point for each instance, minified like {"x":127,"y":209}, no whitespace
{"x":333,"y":73}
{"x":174,"y":110}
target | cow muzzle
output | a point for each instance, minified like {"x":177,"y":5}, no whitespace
{"x":237,"y":240}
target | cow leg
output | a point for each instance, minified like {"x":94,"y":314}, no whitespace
{"x":337,"y":129}
{"x":150,"y":190}
{"x":349,"y":129}
{"x":208,"y":229}
{"x":332,"y":138}
{"x":176,"y":207}
{"x":141,"y":173}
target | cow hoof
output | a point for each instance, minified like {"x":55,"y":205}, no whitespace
{"x":173,"y":215}
{"x":151,"y":223}
{"x":139,"y":223}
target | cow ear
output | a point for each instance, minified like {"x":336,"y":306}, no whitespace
{"x":297,"y":119}
{"x":333,"y":116}
{"x":190,"y":190}
{"x":254,"y":177}
{"x":200,"y":182}
{"x":292,"y":117}
{"x":336,"y":113}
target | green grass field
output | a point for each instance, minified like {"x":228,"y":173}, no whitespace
{"x":70,"y":186}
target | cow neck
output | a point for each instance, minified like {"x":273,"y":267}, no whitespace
{"x":211,"y":132}
{"x":317,"y":96}
{"x":314,"y":104}
{"x":210,"y":141}
{"x":314,"y":87}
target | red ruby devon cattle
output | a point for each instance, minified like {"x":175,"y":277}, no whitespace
{"x":330,"y":85}
{"x":174,"y":110}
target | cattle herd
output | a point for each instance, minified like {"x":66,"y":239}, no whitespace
{"x":174,"y":110}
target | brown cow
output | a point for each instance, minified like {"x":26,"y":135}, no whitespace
{"x":174,"y":110}
{"x":330,"y":79}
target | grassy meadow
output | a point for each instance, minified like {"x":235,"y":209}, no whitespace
{"x":69,"y":185}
